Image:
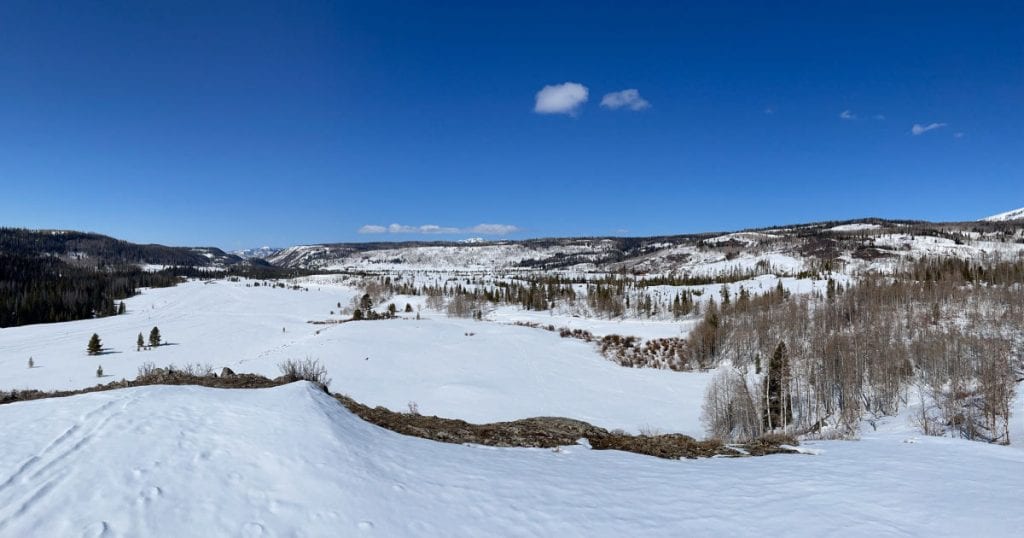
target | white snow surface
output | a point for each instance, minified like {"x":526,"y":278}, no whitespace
{"x":290,"y":461}
{"x":457,"y":368}
{"x":1009,"y":215}
{"x":855,"y":227}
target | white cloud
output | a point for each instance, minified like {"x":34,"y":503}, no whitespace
{"x":400,"y":229}
{"x":625,"y":99}
{"x":434,"y":229}
{"x":494,"y":229}
{"x":958,"y":135}
{"x":921,"y":129}
{"x":847,"y":115}
{"x":769,"y":110}
{"x":562,"y":98}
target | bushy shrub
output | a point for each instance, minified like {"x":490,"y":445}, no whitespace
{"x":305,"y":370}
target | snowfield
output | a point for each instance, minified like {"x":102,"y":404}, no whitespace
{"x":456,"y":368}
{"x":290,"y":461}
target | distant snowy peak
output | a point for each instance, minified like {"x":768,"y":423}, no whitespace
{"x":1009,"y":215}
{"x":473,"y":240}
{"x":262,"y":252}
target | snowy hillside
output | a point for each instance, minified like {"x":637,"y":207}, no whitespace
{"x":171,"y":460}
{"x":849,"y":246}
{"x":1007,"y":216}
{"x":261,"y":252}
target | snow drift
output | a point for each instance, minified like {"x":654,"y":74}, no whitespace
{"x":177,"y":461}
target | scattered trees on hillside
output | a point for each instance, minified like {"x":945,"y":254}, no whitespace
{"x":948,"y":331}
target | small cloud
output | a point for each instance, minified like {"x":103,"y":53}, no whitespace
{"x":847,"y":115}
{"x":918,"y":129}
{"x":958,"y":135}
{"x":493,"y":229}
{"x":372,"y":229}
{"x":401,"y":229}
{"x":769,"y":110}
{"x":879,"y":116}
{"x":562,"y":98}
{"x":625,"y":99}
{"x":434,"y":229}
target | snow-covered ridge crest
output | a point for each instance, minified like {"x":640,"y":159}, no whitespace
{"x":1007,"y":216}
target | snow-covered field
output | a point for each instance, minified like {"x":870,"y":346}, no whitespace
{"x":290,"y":461}
{"x":476,"y":371}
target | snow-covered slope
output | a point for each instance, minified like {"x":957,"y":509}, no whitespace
{"x":1009,"y":215}
{"x":847,"y":246}
{"x":290,"y":461}
{"x":261,"y":252}
{"x":459,"y":368}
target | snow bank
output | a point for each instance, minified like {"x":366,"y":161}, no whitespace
{"x":186,"y":461}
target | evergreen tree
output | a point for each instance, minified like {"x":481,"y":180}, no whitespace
{"x":778,"y":411}
{"x":408,"y":307}
{"x":154,"y":337}
{"x":31,"y":363}
{"x":365,"y":303}
{"x":357,"y":315}
{"x":95,"y":346}
{"x":140,"y":343}
{"x":121,"y":309}
{"x":99,"y":371}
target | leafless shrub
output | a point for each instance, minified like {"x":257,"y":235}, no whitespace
{"x":305,"y":370}
{"x":198,"y":370}
{"x":414,"y":408}
{"x":146,"y":369}
{"x":649,"y":431}
{"x":730,"y":411}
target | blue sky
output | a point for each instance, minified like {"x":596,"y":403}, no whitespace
{"x":244,"y":124}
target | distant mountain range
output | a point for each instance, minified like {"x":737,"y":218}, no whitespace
{"x":90,"y":249}
{"x":859,"y":239}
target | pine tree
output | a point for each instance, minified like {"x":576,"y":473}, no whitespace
{"x":140,"y":343}
{"x":778,"y":411}
{"x":31,"y":363}
{"x":365,"y":303}
{"x":95,"y":346}
{"x":408,"y":307}
{"x":99,"y":371}
{"x":154,"y":337}
{"x":357,"y":315}
{"x":121,"y":309}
